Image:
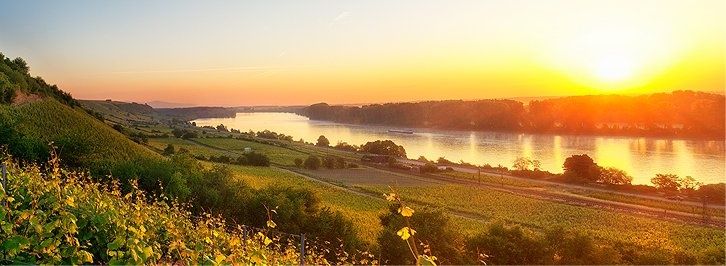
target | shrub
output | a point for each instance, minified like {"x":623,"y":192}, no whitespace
{"x":507,"y":245}
{"x":432,"y":227}
{"x":169,"y":150}
{"x":312,"y":162}
{"x":383,"y":147}
{"x":298,"y":162}
{"x":329,"y":162}
{"x":256,"y":159}
{"x":428,"y":168}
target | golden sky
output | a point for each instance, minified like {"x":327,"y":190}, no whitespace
{"x":303,"y":52}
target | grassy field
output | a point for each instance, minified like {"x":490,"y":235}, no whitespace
{"x":362,"y":210}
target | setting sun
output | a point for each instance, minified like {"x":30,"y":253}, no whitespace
{"x":613,"y":68}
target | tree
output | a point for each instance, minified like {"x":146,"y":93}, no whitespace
{"x":524,"y":163}
{"x":312,"y":162}
{"x":713,"y":193}
{"x":667,"y":182}
{"x":689,"y":184}
{"x":383,"y":147}
{"x":614,"y":176}
{"x":169,"y":150}
{"x":581,"y":168}
{"x":222,"y":127}
{"x":322,"y":141}
{"x":21,"y":65}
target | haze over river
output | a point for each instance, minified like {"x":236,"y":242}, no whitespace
{"x":641,"y":158}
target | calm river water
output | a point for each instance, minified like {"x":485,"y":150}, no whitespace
{"x":642,"y":158}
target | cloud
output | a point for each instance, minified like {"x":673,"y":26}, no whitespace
{"x":214,"y":69}
{"x":342,"y":17}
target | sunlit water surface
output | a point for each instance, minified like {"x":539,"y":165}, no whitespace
{"x":642,"y":158}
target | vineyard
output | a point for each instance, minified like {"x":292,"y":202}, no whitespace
{"x":72,"y":130}
{"x":54,"y":216}
{"x":613,"y":227}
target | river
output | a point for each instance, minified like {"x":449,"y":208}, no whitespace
{"x":641,"y":158}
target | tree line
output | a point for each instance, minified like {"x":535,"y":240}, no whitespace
{"x":677,"y":114}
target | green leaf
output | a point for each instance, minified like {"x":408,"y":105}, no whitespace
{"x":14,"y":243}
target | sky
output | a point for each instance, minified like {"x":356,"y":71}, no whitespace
{"x":230,"y":53}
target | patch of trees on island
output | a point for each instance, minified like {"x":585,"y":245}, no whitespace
{"x":677,"y":114}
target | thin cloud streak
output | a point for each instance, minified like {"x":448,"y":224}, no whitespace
{"x":230,"y":69}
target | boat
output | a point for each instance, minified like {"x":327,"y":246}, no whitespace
{"x":402,"y":131}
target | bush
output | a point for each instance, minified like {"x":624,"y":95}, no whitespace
{"x":169,"y":150}
{"x":508,"y":245}
{"x":298,"y":162}
{"x":432,"y":226}
{"x":428,"y":168}
{"x":383,"y":147}
{"x":254,"y":159}
{"x":312,"y":162}
{"x":329,"y":162}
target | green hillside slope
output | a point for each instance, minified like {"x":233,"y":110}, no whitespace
{"x":34,"y":113}
{"x":73,"y":130}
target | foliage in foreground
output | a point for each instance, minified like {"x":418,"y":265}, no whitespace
{"x":54,"y":216}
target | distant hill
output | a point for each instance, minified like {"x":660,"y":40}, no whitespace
{"x":162,"y":104}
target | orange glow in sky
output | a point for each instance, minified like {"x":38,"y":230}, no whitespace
{"x":234,"y":53}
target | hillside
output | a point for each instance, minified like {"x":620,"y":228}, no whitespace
{"x":72,"y":130}
{"x":34,"y":113}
